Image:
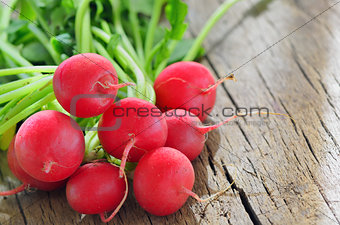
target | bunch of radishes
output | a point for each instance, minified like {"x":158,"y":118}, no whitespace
{"x":49,"y":147}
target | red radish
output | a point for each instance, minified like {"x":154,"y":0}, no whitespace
{"x":163,"y":180}
{"x":186,"y":132}
{"x":26,"y":179}
{"x":95,"y":188}
{"x":140,"y":127}
{"x":49,"y":146}
{"x":86,"y":74}
{"x":189,"y":86}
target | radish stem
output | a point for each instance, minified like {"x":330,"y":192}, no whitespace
{"x":27,"y":69}
{"x":216,"y":16}
{"x":123,"y":56}
{"x":102,"y":216}
{"x":120,"y":30}
{"x":15,"y":56}
{"x":26,"y":102}
{"x":86,"y":35}
{"x":84,"y":4}
{"x":8,"y":106}
{"x":7,"y":87}
{"x":40,"y":17}
{"x":164,"y":62}
{"x":136,"y":31}
{"x":45,"y":42}
{"x":26,"y":112}
{"x":120,"y":72}
{"x":24,"y":90}
{"x":157,"y":9}
{"x":5,"y":15}
{"x":125,"y":155}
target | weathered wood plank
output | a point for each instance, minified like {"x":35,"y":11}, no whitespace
{"x":285,"y":171}
{"x":299,"y":169}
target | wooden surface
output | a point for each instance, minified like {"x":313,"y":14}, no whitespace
{"x":285,"y":172}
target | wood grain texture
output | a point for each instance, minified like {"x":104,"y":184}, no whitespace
{"x":285,"y":171}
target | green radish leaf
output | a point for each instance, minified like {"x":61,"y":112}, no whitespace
{"x":62,"y":43}
{"x":160,"y":33}
{"x":63,"y":57}
{"x":26,"y":11}
{"x":144,"y":7}
{"x":6,"y":138}
{"x":2,"y":61}
{"x":175,"y":12}
{"x":100,"y":9}
{"x":68,"y":6}
{"x":114,"y":41}
{"x":18,"y":32}
{"x":35,"y":52}
{"x":163,"y":52}
{"x":49,"y":4}
{"x":57,"y":45}
{"x":181,"y":49}
{"x":57,"y":17}
{"x":16,"y":25}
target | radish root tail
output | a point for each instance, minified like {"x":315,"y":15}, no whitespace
{"x":14,"y":191}
{"x":206,"y":129}
{"x":117,"y":86}
{"x":126,"y":152}
{"x":214,"y":196}
{"x":220,"y":81}
{"x":108,"y":85}
{"x":102,"y":216}
{"x":195,"y":196}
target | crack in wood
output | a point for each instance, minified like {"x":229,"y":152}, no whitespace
{"x":326,"y":129}
{"x":290,"y":117}
{"x":212,"y":166}
{"x":328,"y":97}
{"x":264,"y":81}
{"x":21,"y":209}
{"x":50,"y":203}
{"x":243,"y":196}
{"x":147,"y":215}
{"x":303,"y":72}
{"x":262,"y":182}
{"x":201,"y":160}
{"x":310,"y":146}
{"x":336,"y":79}
{"x":266,"y":140}
{"x":297,"y":159}
{"x":323,"y":197}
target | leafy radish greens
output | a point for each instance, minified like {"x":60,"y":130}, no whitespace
{"x":37,"y":35}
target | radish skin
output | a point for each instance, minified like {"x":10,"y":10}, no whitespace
{"x":137,"y":133}
{"x":161,"y":179}
{"x":95,"y":188}
{"x":186,"y":85}
{"x":49,"y":146}
{"x":187,"y":133}
{"x":83,"y":75}
{"x":27,"y":180}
